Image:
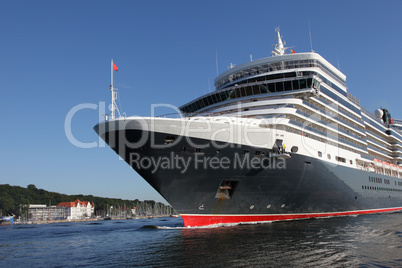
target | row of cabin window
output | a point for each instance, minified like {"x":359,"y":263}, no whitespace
{"x":337,"y":158}
{"x":267,"y":78}
{"x":378,"y":180}
{"x":293,"y":64}
{"x":375,"y":179}
{"x":267,"y":68}
{"x":247,"y":91}
{"x":364,"y":187}
{"x":287,"y":84}
{"x":335,"y":97}
{"x":342,"y":114}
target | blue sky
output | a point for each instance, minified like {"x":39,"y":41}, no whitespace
{"x":56,"y":55}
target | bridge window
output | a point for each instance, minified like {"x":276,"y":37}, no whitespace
{"x":240,"y":92}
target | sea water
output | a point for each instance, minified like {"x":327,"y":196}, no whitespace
{"x":359,"y":241}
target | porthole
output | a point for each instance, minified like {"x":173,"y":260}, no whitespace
{"x":329,"y":156}
{"x":319,"y":154}
{"x":294,"y":149}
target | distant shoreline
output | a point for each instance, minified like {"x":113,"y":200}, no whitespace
{"x":87,"y":220}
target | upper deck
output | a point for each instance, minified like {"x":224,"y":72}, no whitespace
{"x":273,"y":76}
{"x":279,"y":64}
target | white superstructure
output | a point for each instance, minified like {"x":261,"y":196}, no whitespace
{"x":304,"y":100}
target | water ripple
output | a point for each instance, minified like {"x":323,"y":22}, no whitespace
{"x":364,"y":241}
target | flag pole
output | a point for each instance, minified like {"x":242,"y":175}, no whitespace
{"x":112,"y":89}
{"x":111,"y":73}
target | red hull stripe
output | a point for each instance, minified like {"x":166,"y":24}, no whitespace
{"x":194,"y":220}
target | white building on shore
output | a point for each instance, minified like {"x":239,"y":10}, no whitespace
{"x":77,"y":209}
{"x":44,"y":213}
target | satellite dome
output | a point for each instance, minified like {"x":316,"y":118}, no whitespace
{"x":378,"y":113}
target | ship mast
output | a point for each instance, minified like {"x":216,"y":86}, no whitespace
{"x":114,"y":94}
{"x":279,"y":46}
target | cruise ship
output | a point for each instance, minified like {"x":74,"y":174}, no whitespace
{"x":280,"y":138}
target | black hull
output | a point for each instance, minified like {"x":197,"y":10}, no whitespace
{"x":250,"y":181}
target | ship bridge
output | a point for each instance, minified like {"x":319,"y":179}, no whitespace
{"x":278,"y":75}
{"x":278,"y":64}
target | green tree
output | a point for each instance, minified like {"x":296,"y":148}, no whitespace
{"x":32,"y":187}
{"x":7,"y":205}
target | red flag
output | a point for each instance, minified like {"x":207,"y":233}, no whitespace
{"x":115,"y":67}
{"x":292,"y":51}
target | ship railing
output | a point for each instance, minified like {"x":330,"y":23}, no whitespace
{"x":383,"y":147}
{"x":332,"y":116}
{"x":331,"y":127}
{"x":179,"y":115}
{"x":204,"y":114}
{"x":379,"y":170}
{"x":171,"y":115}
{"x":377,"y":136}
{"x":364,"y":168}
{"x":353,"y":98}
{"x":272,"y":67}
{"x":341,"y":111}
